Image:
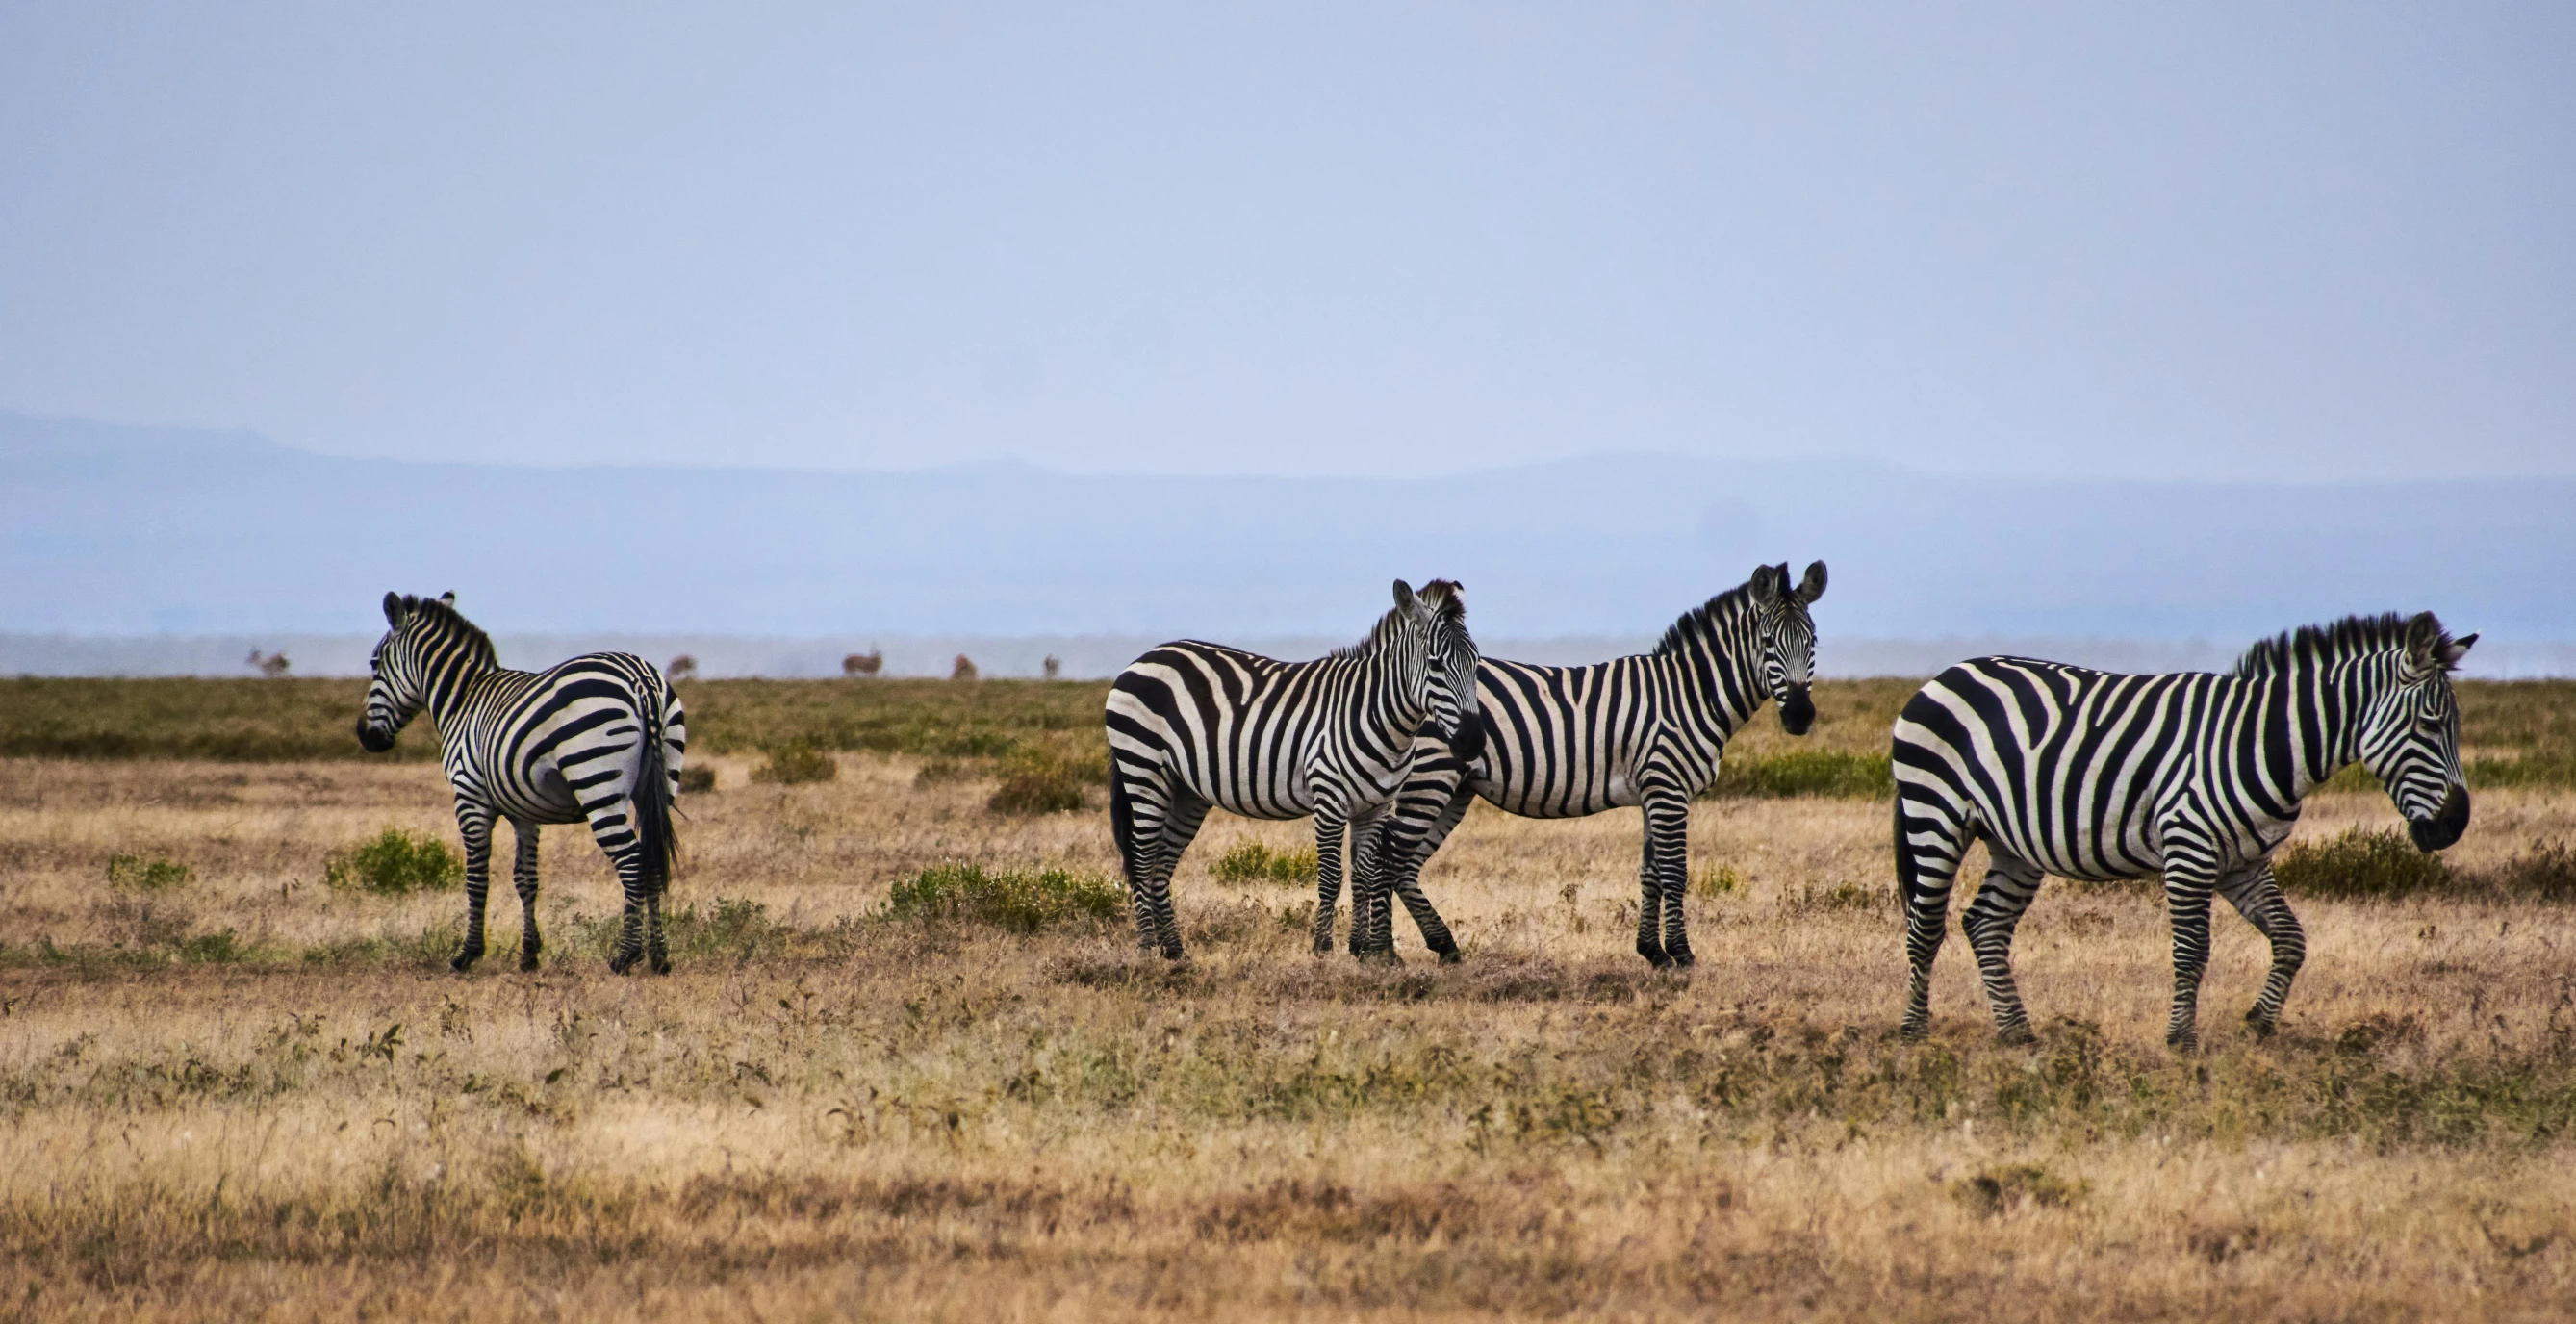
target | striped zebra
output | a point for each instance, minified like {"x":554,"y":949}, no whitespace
{"x":1568,"y":742}
{"x":1192,"y":725}
{"x":598,"y":739}
{"x":2096,"y":775}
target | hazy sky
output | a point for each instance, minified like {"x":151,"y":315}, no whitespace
{"x":2272,"y":241}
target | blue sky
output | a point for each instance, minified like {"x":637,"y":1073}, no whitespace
{"x":2277,"y":242}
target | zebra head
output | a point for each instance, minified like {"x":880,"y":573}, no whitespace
{"x":2410,"y":735}
{"x":426,"y":634}
{"x":1788,"y":636}
{"x":1448,"y":670}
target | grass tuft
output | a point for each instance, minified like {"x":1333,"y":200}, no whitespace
{"x":1999,"y":1191}
{"x":1044,"y":779}
{"x":1021,"y":900}
{"x":796,"y":763}
{"x":698,"y":780}
{"x":1716,"y":880}
{"x":147,"y":873}
{"x":395,"y":862}
{"x":1253,"y":862}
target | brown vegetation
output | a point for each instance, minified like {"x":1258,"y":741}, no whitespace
{"x":908,"y":1067}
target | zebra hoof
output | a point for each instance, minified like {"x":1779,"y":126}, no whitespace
{"x":1682,"y":957}
{"x":527,"y":963}
{"x":1914,"y":1032}
{"x":465,"y":960}
{"x":1654,"y":955}
{"x":2260,"y":1024}
{"x":1450,"y":956}
{"x":1378,"y":956}
{"x":2016,"y":1036}
{"x":2183,"y":1041}
{"x":1176,"y":956}
{"x":621,"y":963}
{"x":661,"y":965}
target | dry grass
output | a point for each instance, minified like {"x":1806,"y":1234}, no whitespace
{"x":257,"y":1096}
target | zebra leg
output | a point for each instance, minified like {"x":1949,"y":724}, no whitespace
{"x":2258,"y":898}
{"x":1650,"y":905}
{"x":1180,"y":828}
{"x":612,"y":825}
{"x":1928,"y":848}
{"x":656,"y":954}
{"x":2187,"y":903}
{"x":523,"y":872}
{"x":1328,"y":874}
{"x":2010,"y":884}
{"x":1405,"y":861}
{"x":1372,"y":904}
{"x":1668,"y":822}
{"x":474,"y":824}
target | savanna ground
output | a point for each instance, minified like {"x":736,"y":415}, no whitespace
{"x":233,"y":1089}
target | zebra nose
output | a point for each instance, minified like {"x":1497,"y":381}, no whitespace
{"x":1467,"y":744}
{"x":1798,"y":711}
{"x":2444,"y":828}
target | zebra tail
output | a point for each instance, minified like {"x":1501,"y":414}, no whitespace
{"x":1905,"y":871}
{"x":1122,"y":824}
{"x":653,"y":830}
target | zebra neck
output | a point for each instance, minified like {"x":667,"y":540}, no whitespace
{"x":451,"y":673}
{"x":2323,"y":707}
{"x":1725,"y":683}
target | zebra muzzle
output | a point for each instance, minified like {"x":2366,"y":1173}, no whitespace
{"x":1798,"y":711}
{"x":373,"y":740}
{"x":2444,"y":828}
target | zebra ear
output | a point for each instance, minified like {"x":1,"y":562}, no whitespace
{"x":1766,"y":585}
{"x":2423,"y":637}
{"x":2459,"y":649}
{"x":1813,"y":586}
{"x":393,"y":609}
{"x":1404,"y":595}
{"x":449,"y":597}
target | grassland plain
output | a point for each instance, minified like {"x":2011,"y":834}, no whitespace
{"x":247,"y":1093}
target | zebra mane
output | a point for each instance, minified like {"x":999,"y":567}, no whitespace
{"x":444,"y":619}
{"x":2349,"y":637}
{"x":1703,"y":619}
{"x":1440,"y":595}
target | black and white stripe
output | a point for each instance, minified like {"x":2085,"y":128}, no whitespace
{"x":598,"y":739}
{"x":1194,"y":725}
{"x":2098,"y":776}
{"x":1566,"y":742}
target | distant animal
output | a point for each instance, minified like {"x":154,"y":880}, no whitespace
{"x":683,"y":667}
{"x":1053,"y":666}
{"x":1567,"y":742}
{"x":597,"y":739}
{"x":863,"y":664}
{"x":271,"y":665}
{"x":964,"y":668}
{"x":1195,"y":724}
{"x":2096,"y":775}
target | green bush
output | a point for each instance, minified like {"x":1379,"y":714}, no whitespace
{"x":1043,"y":779}
{"x":2359,"y":862}
{"x":1015,"y":899}
{"x":1829,"y":772}
{"x":697,"y":780}
{"x":1253,"y":862}
{"x":395,"y":862}
{"x":147,"y":873}
{"x":796,"y":763}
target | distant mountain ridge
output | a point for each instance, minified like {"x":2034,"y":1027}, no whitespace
{"x":112,"y":530}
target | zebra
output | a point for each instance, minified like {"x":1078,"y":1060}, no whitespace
{"x":1569,"y":742}
{"x":1193,"y":725}
{"x":2098,"y":776}
{"x":599,"y":738}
